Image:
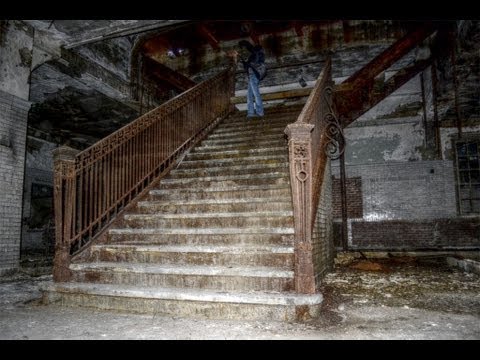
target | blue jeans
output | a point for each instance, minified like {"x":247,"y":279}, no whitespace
{"x":254,"y":99}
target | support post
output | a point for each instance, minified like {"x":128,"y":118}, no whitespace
{"x":301,"y":162}
{"x":436,"y":123}
{"x":343,"y":192}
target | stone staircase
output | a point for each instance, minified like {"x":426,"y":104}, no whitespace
{"x":214,"y":239}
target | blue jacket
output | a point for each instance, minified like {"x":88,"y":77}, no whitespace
{"x":256,"y":58}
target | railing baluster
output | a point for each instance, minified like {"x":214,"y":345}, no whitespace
{"x":93,"y":186}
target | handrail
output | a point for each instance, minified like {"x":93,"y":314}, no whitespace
{"x":308,"y":145}
{"x":92,"y":186}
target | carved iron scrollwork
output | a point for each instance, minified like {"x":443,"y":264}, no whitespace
{"x":335,"y":146}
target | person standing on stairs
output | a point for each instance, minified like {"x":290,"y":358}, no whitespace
{"x":255,"y":69}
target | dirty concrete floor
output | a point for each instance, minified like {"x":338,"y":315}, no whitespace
{"x":401,"y":298}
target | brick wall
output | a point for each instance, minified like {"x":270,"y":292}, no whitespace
{"x":406,"y":205}
{"x":13,"y":127}
{"x":405,"y":190}
{"x":354,"y":198}
{"x":429,"y":234}
{"x":322,"y":237}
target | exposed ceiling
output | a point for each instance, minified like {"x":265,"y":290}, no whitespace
{"x":75,"y":99}
{"x":73,"y":33}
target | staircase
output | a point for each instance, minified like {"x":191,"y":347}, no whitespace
{"x":213,"y":239}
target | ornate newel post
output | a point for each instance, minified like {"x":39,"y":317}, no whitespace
{"x":64,"y":202}
{"x":301,"y":162}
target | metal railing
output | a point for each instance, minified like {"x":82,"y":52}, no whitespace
{"x":91,"y":187}
{"x":311,"y":139}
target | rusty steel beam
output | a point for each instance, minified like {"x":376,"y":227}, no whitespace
{"x":207,"y":34}
{"x":167,"y":75}
{"x":390,"y":55}
{"x":352,"y":103}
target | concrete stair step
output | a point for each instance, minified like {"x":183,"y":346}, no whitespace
{"x":197,"y":154}
{"x":212,"y":236}
{"x":233,"y":161}
{"x":215,"y":205}
{"x":240,"y":137}
{"x":267,"y":145}
{"x":244,"y":130}
{"x":229,"y":170}
{"x":223,"y":278}
{"x":233,"y":191}
{"x":210,"y":220}
{"x":279,"y":117}
{"x":244,"y":143}
{"x":197,"y":303}
{"x":243,"y":146}
{"x":217,"y":255}
{"x":227,"y":181}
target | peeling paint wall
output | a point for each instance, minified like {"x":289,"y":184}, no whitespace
{"x":387,"y":140}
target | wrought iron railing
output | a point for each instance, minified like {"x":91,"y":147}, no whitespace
{"x":93,"y":186}
{"x":311,"y":140}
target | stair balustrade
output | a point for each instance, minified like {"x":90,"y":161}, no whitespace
{"x":308,"y":148}
{"x":93,"y":186}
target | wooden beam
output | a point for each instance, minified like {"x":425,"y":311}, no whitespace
{"x":285,"y":94}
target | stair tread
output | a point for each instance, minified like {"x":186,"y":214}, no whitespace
{"x":256,"y":176}
{"x":233,"y":152}
{"x":231,"y":167}
{"x":206,"y":231}
{"x":214,"y":201}
{"x":223,"y":189}
{"x":225,"y":249}
{"x":188,"y":294}
{"x":208,"y":215}
{"x":176,"y":269}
